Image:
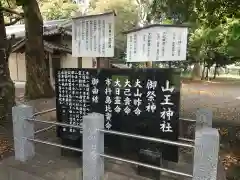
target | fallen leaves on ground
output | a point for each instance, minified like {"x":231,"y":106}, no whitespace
{"x":4,"y":147}
{"x":223,"y":131}
{"x":231,"y":163}
{"x":230,"y":160}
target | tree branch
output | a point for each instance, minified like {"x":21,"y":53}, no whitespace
{"x":9,"y":10}
{"x":138,"y":2}
{"x":14,"y":22}
{"x":8,"y":3}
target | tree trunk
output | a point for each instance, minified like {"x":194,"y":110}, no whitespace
{"x":38,"y":83}
{"x":7,"y":88}
{"x":207,"y":74}
{"x":215,"y":71}
{"x":196,"y":71}
{"x":203,"y":71}
{"x":169,"y":64}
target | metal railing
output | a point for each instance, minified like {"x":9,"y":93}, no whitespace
{"x":54,"y":124}
{"x":186,"y":119}
{"x":135,"y":136}
{"x":93,"y":149}
{"x":147,"y":165}
{"x":43,"y":112}
{"x":44,"y":129}
{"x":54,"y":144}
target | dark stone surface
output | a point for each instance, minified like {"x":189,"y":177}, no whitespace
{"x":147,"y":123}
{"x":151,"y":158}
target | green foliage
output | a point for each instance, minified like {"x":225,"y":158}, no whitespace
{"x":214,"y":34}
{"x":214,"y":27}
{"x":12,"y":5}
{"x":21,"y":2}
{"x":218,"y":45}
{"x":8,"y":3}
{"x":125,"y":9}
{"x":232,"y":40}
{"x":126,"y":18}
{"x":179,"y":10}
{"x":57,"y":9}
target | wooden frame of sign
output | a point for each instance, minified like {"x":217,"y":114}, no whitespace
{"x":157,"y":42}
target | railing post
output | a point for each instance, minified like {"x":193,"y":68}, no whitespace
{"x":206,"y":154}
{"x":203,"y":118}
{"x":23,"y":129}
{"x":93,"y":145}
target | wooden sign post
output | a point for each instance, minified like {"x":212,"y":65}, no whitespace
{"x":92,"y":37}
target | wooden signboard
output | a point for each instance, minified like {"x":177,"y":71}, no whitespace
{"x":157,"y":43}
{"x":93,"y":35}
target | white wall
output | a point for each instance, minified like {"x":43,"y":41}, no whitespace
{"x":67,"y":61}
{"x":17,"y":66}
{"x":72,"y":62}
{"x":87,"y":62}
{"x":12,"y":64}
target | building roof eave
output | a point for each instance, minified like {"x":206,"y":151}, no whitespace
{"x":48,"y":46}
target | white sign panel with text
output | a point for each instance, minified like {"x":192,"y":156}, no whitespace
{"x":93,"y":36}
{"x":158,"y":43}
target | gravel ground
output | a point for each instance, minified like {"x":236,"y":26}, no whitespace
{"x":222,"y":99}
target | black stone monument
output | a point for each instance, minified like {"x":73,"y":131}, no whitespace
{"x":138,"y":101}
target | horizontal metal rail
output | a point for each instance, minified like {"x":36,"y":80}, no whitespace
{"x":74,"y":126}
{"x":186,"y":119}
{"x":54,"y":123}
{"x":54,"y":144}
{"x":186,"y":139}
{"x":43,"y":112}
{"x":146,"y":138}
{"x":112,"y":157}
{"x":146,"y":165}
{"x":44,"y":129}
{"x":54,"y":109}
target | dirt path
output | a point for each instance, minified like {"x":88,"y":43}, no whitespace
{"x":222,"y":99}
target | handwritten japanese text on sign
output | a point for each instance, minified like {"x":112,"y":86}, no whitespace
{"x":158,"y":43}
{"x":93,"y":36}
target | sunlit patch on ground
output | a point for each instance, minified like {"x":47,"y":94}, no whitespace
{"x":193,"y":91}
{"x":230,"y":160}
{"x":231,"y":163}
